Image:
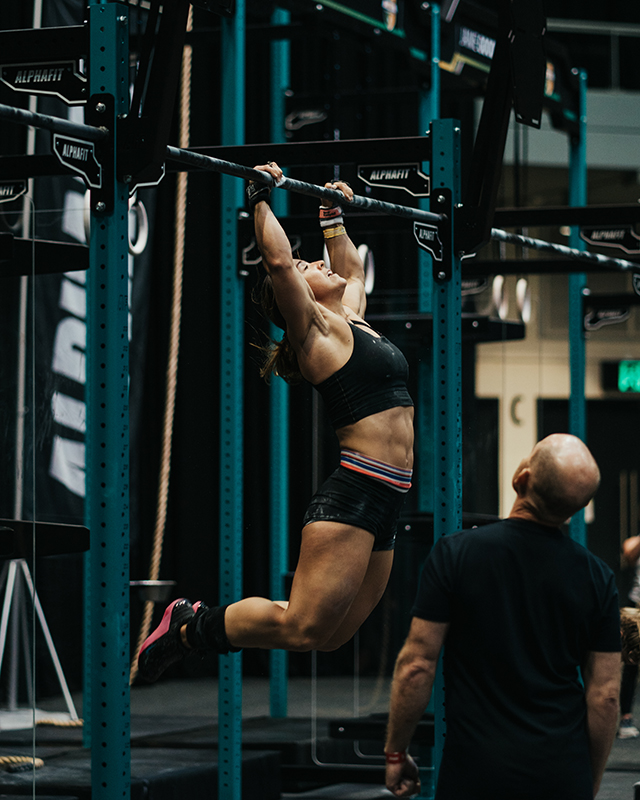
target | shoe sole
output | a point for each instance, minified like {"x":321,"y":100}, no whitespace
{"x":163,"y":627}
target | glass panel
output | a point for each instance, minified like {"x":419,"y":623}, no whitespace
{"x":42,"y":420}
{"x":58,"y":400}
{"x":17,"y":537}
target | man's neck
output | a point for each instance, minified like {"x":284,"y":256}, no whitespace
{"x":522,"y":510}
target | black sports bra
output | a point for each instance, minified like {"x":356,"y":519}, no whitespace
{"x":373,"y":380}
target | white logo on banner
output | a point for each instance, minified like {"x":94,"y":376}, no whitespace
{"x":69,"y":349}
{"x":69,"y":359}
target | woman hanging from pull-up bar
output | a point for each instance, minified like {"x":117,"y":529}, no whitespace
{"x":349,"y":528}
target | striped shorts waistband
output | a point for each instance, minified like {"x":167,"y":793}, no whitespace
{"x":396,"y":477}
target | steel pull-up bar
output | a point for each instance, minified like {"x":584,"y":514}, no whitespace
{"x":570,"y":252}
{"x":94,"y":134}
{"x":229,"y":168}
{"x":55,"y":124}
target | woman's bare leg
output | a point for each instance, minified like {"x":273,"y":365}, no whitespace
{"x":370,"y":594}
{"x":334,"y":568}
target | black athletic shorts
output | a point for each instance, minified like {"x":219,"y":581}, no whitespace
{"x":354,"y":499}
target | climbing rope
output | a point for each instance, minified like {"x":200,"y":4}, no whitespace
{"x":20,"y":763}
{"x":60,"y":723}
{"x":174,"y":346}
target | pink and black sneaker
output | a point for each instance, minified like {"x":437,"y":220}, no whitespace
{"x":164,"y":646}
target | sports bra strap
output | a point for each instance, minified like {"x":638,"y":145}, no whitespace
{"x":360,"y":322}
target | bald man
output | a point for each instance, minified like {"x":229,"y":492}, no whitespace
{"x":532,"y":656}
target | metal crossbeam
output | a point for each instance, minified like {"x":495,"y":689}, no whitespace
{"x":240,"y":171}
{"x":55,"y":124}
{"x":570,"y":252}
{"x":199,"y":160}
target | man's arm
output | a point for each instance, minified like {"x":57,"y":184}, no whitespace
{"x":601,"y":676}
{"x":631,"y":550}
{"x":410,"y":692}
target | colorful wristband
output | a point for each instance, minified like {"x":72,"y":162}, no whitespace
{"x":325,"y":223}
{"x":328,"y":212}
{"x":399,"y":757}
{"x":330,"y":216}
{"x":331,"y":233}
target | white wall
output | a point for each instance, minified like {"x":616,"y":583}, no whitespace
{"x":613,"y":134}
{"x":518,"y":373}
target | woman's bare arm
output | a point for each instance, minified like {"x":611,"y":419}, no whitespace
{"x":345,"y":259}
{"x":294,"y":297}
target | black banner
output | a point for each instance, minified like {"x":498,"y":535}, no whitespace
{"x":44,"y":470}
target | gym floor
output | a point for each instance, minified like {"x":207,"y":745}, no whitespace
{"x":198,"y":699}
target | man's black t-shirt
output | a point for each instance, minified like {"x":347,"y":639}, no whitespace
{"x":525,"y":605}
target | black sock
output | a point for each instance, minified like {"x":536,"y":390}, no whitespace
{"x":206,"y":631}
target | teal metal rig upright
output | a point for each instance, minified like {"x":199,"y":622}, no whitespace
{"x":279,"y":400}
{"x":577,"y":284}
{"x":231,"y":403}
{"x":107,"y":464}
{"x":447,"y":367}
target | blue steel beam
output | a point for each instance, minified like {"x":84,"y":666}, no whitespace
{"x":447,"y":376}
{"x":107,"y":463}
{"x":577,"y":284}
{"x":279,"y":401}
{"x":429,"y":110}
{"x":231,"y":404}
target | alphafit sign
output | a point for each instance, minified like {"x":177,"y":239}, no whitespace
{"x":80,"y":156}
{"x":408,"y":177}
{"x":62,"y":79}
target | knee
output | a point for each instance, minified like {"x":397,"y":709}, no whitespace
{"x":306,"y":636}
{"x":329,"y":646}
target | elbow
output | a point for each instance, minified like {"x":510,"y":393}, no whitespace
{"x":610,"y":709}
{"x":605,"y":704}
{"x":612,"y":704}
{"x":417,"y":671}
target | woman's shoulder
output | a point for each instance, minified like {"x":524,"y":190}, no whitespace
{"x":328,"y":331}
{"x":355,"y":319}
{"x":326,"y":348}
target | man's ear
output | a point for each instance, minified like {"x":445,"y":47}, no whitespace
{"x":521,"y":480}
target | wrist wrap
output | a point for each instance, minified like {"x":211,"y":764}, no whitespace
{"x":257,"y":192}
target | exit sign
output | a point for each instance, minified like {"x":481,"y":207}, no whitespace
{"x":623,"y":376}
{"x":629,"y":376}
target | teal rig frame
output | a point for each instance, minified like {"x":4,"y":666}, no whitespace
{"x":127,"y":159}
